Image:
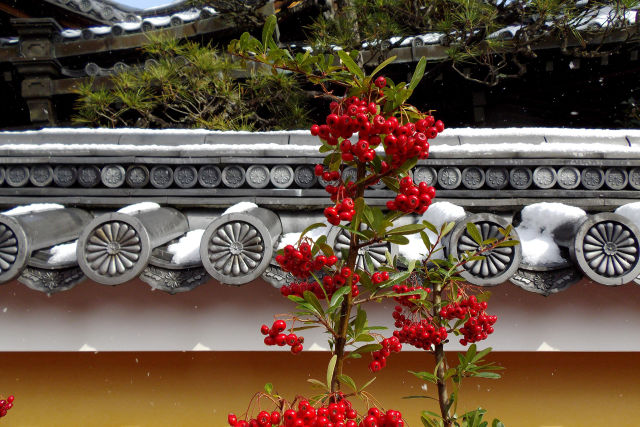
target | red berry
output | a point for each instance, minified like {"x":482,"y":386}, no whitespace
{"x":345,"y":272}
{"x":279,"y":325}
{"x":315,"y":130}
{"x":381,"y":82}
{"x":275,"y":417}
{"x":231,"y":418}
{"x":264,"y":329}
{"x":318,"y":170}
{"x":292,"y":339}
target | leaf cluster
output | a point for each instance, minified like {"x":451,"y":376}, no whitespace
{"x":186,"y":85}
{"x":488,"y":40}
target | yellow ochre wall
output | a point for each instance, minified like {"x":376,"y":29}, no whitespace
{"x":200,"y":388}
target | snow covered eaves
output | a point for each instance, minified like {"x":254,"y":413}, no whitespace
{"x":464,"y":142}
{"x":176,"y":262}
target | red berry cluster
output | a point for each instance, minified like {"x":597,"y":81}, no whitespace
{"x":403,"y":142}
{"x":389,"y":345}
{"x":412,"y":197}
{"x":330,"y":284}
{"x":478,"y":326}
{"x":334,"y":414}
{"x":421,"y":333}
{"x":275,"y":336}
{"x":406,"y":299}
{"x":379,"y":277}
{"x":301,"y":262}
{"x":378,"y":418}
{"x":342,"y":211}
{"x":5,"y":405}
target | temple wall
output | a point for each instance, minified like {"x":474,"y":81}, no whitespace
{"x":200,"y":388}
{"x":132,"y":317}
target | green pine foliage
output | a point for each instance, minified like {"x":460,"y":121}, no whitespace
{"x":187,"y":85}
{"x":473,"y":30}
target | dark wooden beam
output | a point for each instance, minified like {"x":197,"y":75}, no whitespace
{"x":16,"y":13}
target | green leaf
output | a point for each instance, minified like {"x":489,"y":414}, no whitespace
{"x":430,"y":227}
{"x":395,"y":279}
{"x":359,"y":208}
{"x":369,"y":261}
{"x":267,"y":31}
{"x":326,"y":249}
{"x":324,"y":148}
{"x":368,"y":383}
{"x":350,"y":64}
{"x":345,"y":379}
{"x":491,"y":375}
{"x":392,"y":183}
{"x":336,"y":299}
{"x":497,"y":423}
{"x":318,"y":383}
{"x":330,"y":369}
{"x":418,"y":73}
{"x":367,"y":348}
{"x":446,"y":228}
{"x":407,"y":229}
{"x":480,"y":354}
{"x":360,"y":321}
{"x":311,"y":227}
{"x":425,"y":239}
{"x":382,"y":65}
{"x":398,"y":240}
{"x":312,"y":299}
{"x":425,"y":376}
{"x":406,"y":166}
{"x":295,"y":298}
{"x":418,"y":396}
{"x":364,"y":338}
{"x":268,"y":388}
{"x":473,"y":231}
{"x":508,"y":243}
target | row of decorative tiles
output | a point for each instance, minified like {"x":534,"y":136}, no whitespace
{"x":302,"y":176}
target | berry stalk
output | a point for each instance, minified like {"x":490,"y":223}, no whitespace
{"x":441,"y":363}
{"x":347,"y":304}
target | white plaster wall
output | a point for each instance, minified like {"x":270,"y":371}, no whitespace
{"x":132,"y":317}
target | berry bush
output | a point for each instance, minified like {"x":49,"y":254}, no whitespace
{"x":5,"y":405}
{"x":372,"y":128}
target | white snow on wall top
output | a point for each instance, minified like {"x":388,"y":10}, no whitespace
{"x":32,"y":208}
{"x":187,"y":249}
{"x":539,"y":221}
{"x":63,"y":253}
{"x":139,"y":207}
{"x":240,"y":207}
{"x":631,"y":211}
{"x":438,"y":214}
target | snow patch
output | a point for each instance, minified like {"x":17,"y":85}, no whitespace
{"x":187,"y":249}
{"x":200,"y":347}
{"x":139,"y":207}
{"x":317,"y":347}
{"x":539,"y":221}
{"x":438,"y":214}
{"x":546,"y":347}
{"x":87,"y":347}
{"x":240,"y":207}
{"x":64,"y":253}
{"x":32,"y":208}
{"x":292,"y":238}
{"x":631,"y":211}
